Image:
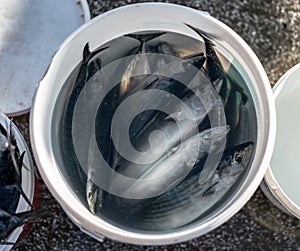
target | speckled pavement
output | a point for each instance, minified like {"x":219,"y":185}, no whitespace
{"x":272,"y":29}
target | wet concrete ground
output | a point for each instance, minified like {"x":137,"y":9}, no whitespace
{"x":272,"y":29}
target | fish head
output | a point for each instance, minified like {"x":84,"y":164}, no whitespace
{"x":91,"y":195}
{"x":243,"y":155}
{"x":95,"y":197}
{"x":239,"y":158}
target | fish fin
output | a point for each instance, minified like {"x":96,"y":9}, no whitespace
{"x":201,"y":34}
{"x":210,"y":190}
{"x":86,"y":53}
{"x":213,"y":65}
{"x":21,"y":191}
{"x":145,"y":37}
{"x":197,"y":60}
{"x":151,"y":82}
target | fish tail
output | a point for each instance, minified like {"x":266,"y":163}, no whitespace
{"x":201,"y":34}
{"x":144,"y":38}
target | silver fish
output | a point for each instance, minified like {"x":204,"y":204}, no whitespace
{"x":182,"y":68}
{"x":95,"y":196}
{"x":214,"y":66}
{"x":91,"y":63}
{"x":165,"y":49}
{"x":189,"y":200}
{"x":224,"y":82}
{"x":186,"y":125}
{"x":174,"y":165}
{"x":139,"y":64}
{"x":185,"y":69}
{"x":90,"y":59}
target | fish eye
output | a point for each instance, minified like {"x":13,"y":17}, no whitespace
{"x":238,"y":157}
{"x":90,"y":195}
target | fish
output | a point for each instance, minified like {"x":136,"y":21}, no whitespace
{"x":139,"y":64}
{"x":11,"y":164}
{"x":179,"y":70}
{"x":184,"y":70}
{"x":94,"y":196}
{"x":135,"y":73}
{"x":214,"y":68}
{"x":90,"y":64}
{"x":11,"y":221}
{"x":243,"y":132}
{"x":177,"y":126}
{"x":163,"y":48}
{"x":9,"y":197}
{"x":84,"y":74}
{"x":173,"y":165}
{"x":234,"y":97}
{"x":225,"y":84}
{"x":215,"y":115}
{"x":156,"y":81}
{"x":189,"y":200}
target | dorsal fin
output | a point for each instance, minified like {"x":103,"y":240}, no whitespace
{"x":197,"y":60}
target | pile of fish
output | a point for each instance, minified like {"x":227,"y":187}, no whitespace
{"x":184,"y":187}
{"x":11,"y":165}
